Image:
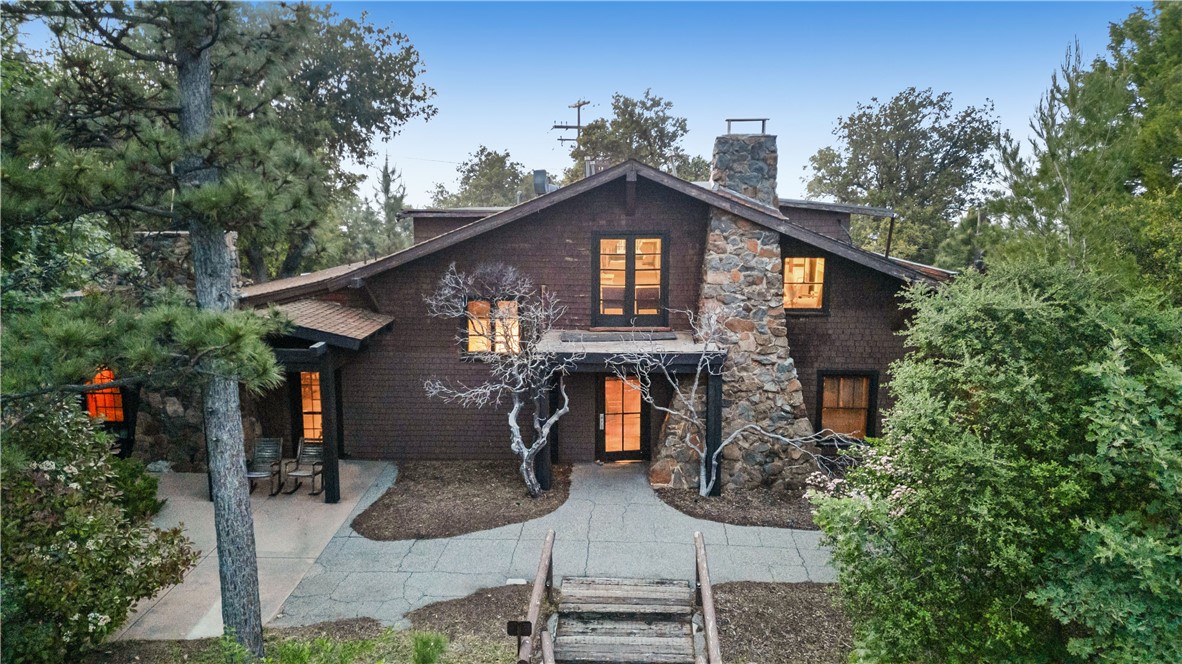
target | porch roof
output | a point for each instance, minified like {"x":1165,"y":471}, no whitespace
{"x":678,"y":348}
{"x":332,"y":323}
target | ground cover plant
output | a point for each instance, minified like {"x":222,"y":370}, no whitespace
{"x":1025,"y":502}
{"x":447,"y":498}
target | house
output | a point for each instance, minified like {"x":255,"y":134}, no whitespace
{"x":814,"y":319}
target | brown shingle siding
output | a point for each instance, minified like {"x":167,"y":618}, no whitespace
{"x":387,"y":413}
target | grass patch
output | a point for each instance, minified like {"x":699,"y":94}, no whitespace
{"x":433,"y":499}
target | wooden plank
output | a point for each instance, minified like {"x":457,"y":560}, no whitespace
{"x":586,"y":652}
{"x":627,"y":588}
{"x":625,"y":600}
{"x":627,"y":609}
{"x":608,"y":581}
{"x":661,"y":644}
{"x":580,"y":626}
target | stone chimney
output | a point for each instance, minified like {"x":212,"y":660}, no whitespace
{"x":747,"y":163}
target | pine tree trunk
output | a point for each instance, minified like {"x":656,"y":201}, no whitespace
{"x":213,"y":264}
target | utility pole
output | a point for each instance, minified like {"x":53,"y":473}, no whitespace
{"x":578,"y":126}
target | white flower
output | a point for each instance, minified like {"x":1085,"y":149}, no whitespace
{"x":77,"y":487}
{"x":48,"y":466}
{"x":71,"y":470}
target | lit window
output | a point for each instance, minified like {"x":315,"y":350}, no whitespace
{"x":107,"y":402}
{"x":488,"y":332}
{"x":630,"y":279}
{"x":845,"y":404}
{"x":804,"y":280}
{"x":312,"y":414}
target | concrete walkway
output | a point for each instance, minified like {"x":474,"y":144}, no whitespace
{"x":291,"y":531}
{"x":612,"y":525}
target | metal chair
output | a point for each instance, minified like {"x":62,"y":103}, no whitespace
{"x":309,"y":462}
{"x":265,"y":463}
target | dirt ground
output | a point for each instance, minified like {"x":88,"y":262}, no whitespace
{"x":744,"y":507}
{"x":781,"y":623}
{"x":449,"y":498}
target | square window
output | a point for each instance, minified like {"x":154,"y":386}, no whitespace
{"x":804,"y":283}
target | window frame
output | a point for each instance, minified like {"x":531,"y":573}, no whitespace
{"x":871,"y":399}
{"x":465,"y":351}
{"x":660,"y":319}
{"x":823,"y":310}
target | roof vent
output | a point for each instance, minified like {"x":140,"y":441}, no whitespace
{"x":542,"y":184}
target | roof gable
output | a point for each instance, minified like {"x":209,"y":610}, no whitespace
{"x":723,"y":199}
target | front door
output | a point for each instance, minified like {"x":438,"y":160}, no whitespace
{"x":623,"y":421}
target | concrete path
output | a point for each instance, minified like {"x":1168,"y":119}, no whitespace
{"x":291,"y":531}
{"x":612,"y":525}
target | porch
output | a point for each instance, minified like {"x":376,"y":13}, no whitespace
{"x":290,"y":534}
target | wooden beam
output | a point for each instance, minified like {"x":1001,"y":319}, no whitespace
{"x":705,"y":593}
{"x":630,"y":194}
{"x":713,"y":430}
{"x":328,"y":421}
{"x":542,"y":466}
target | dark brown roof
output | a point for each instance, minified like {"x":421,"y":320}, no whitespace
{"x":722,"y":199}
{"x":332,"y":323}
{"x":937,"y":273}
{"x":295,"y":286}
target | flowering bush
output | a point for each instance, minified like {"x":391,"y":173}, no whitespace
{"x":73,"y":560}
{"x":1025,"y":503}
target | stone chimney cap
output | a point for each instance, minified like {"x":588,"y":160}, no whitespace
{"x":762,"y":123}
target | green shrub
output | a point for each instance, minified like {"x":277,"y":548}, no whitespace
{"x":1025,"y":502}
{"x":138,"y":488}
{"x":73,"y":561}
{"x":428,"y":647}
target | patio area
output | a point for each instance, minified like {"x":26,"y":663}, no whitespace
{"x":291,"y":531}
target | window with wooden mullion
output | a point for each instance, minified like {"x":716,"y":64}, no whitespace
{"x":631,"y":283}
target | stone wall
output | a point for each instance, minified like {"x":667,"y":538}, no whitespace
{"x":170,"y":424}
{"x":742,"y":280}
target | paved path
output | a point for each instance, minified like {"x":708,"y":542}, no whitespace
{"x":612,"y":525}
{"x":291,"y":531}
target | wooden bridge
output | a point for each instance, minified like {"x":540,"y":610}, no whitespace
{"x":622,"y":620}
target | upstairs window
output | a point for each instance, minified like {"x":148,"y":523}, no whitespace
{"x":804,"y":283}
{"x":846,"y":404}
{"x":490,"y":332}
{"x":631,"y":287}
{"x":106,"y":402}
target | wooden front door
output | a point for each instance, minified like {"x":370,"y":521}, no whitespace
{"x":623,"y":421}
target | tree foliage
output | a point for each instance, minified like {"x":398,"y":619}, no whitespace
{"x":1025,"y":503}
{"x":487,"y":179}
{"x":1100,"y":183}
{"x":915,"y":154}
{"x":75,"y":559}
{"x":643,"y":129}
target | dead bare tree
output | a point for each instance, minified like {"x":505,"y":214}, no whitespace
{"x":505,"y":318}
{"x":686,"y":405}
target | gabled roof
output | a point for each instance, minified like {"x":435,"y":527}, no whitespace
{"x":723,"y":199}
{"x":332,"y":323}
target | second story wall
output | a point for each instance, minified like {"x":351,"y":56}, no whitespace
{"x":387,"y":413}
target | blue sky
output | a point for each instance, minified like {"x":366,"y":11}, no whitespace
{"x":505,"y":72}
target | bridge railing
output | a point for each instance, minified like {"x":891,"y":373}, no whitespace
{"x":704,"y":596}
{"x":528,"y":631}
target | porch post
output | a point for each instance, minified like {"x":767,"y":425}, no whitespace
{"x":542,"y":466}
{"x":713,"y":429}
{"x":328,"y":414}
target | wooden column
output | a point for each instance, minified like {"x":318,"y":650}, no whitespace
{"x":542,"y":465}
{"x":328,"y":423}
{"x":713,"y":430}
